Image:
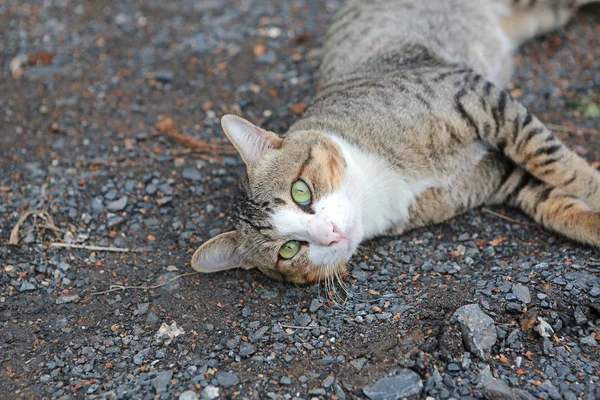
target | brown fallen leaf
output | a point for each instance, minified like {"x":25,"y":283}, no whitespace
{"x":41,"y":58}
{"x":165,"y":125}
{"x":528,"y":324}
{"x":298,"y":109}
{"x":259,"y":50}
{"x":497,"y":241}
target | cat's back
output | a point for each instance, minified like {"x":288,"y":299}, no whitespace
{"x":378,"y":36}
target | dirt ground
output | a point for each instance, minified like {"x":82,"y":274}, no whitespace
{"x":83,"y":87}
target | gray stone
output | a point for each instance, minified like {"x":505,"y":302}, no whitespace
{"x":114,"y":221}
{"x":246,"y":312}
{"x":358,"y":363}
{"x":580,"y":318}
{"x":328,"y":381}
{"x":141,"y":309}
{"x":513,"y":307}
{"x":551,"y":390}
{"x":188,"y":395}
{"x":497,"y":390}
{"x":60,"y":321}
{"x":117,"y":205}
{"x":163,"y":76}
{"x":464,"y":237}
{"x":302,"y":320}
{"x":477,"y":328}
{"x":26,"y":287}
{"x":227,"y":379}
{"x":339,"y":392}
{"x":589,"y":341}
{"x":67,"y":298}
{"x":210,"y":392}
{"x":285,"y":380}
{"x":523,"y":394}
{"x":521,"y":292}
{"x":315,"y":304}
{"x":161,"y":381}
{"x":247,"y":350}
{"x":453,"y":367}
{"x":192,"y":174}
{"x":405,"y":384}
{"x":164,"y":201}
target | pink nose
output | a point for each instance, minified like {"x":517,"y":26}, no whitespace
{"x":335,"y":236}
{"x":324,"y":233}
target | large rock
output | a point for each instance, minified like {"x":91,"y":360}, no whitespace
{"x":497,"y":390}
{"x":478,"y":330}
{"x":406,"y":383}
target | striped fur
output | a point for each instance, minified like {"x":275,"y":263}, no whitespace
{"x":418,"y":84}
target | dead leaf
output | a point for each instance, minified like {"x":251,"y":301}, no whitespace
{"x":41,"y":58}
{"x":165,"y":125}
{"x":259,"y":50}
{"x":497,"y":241}
{"x":298,"y":109}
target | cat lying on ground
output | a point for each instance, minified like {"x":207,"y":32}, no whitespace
{"x":411,"y":127}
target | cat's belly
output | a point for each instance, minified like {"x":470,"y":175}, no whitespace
{"x":389,"y":206}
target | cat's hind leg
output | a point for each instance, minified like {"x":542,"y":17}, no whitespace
{"x":553,"y":208}
{"x":496,"y":180}
{"x":501,"y":121}
{"x":522,"y":20}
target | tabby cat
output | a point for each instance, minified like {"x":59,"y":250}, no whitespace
{"x":411,"y":128}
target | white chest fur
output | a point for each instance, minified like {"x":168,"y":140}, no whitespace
{"x":381,"y":194}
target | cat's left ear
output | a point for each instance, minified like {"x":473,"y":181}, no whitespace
{"x":250,"y":141}
{"x":219,"y":254}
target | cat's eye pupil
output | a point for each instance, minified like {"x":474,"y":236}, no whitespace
{"x":301,"y":193}
{"x":289,"y":249}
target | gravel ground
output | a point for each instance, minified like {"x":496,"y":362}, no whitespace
{"x":482,"y":306}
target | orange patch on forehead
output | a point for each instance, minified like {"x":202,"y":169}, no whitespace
{"x":327,"y":167}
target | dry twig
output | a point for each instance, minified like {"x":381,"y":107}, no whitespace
{"x":514,"y":221}
{"x":167,"y":126}
{"x":298,"y":327}
{"x":14,"y":234}
{"x":93,"y":248}
{"x":114,"y":288}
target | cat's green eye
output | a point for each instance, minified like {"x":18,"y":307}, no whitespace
{"x":289,"y":249}
{"x":301,"y":193}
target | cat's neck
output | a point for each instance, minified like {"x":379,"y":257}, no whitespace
{"x":381,"y":192}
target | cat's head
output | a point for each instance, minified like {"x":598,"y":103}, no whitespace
{"x":295,"y":210}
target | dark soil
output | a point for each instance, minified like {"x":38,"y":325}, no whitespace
{"x":84,"y":84}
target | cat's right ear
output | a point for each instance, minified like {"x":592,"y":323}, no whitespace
{"x":250,"y":141}
{"x":218,"y":254}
